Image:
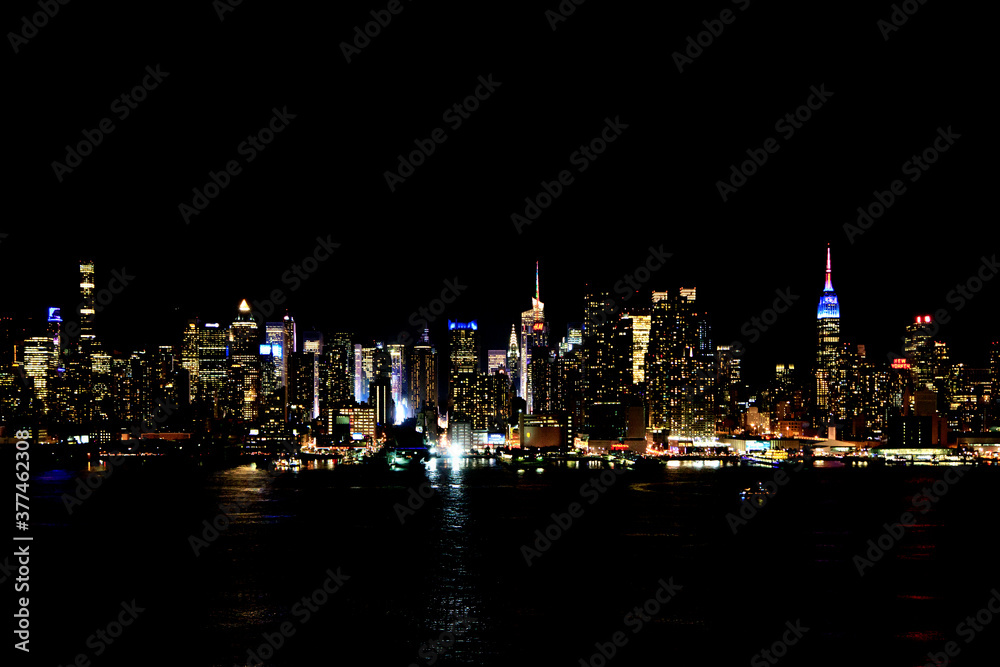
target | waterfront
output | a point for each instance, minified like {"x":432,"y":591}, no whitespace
{"x":459,"y":554}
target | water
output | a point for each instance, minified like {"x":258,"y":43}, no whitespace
{"x":459,"y":556}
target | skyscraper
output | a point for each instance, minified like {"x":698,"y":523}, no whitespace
{"x":828,"y":344}
{"x":995,"y":376}
{"x":341,"y":377}
{"x":534,"y":333}
{"x":423,"y":374}
{"x":87,"y":337}
{"x":919,"y":352}
{"x":274,"y":335}
{"x":464,"y":340}
{"x":680,"y":367}
{"x":244,"y":364}
{"x":514,"y":360}
{"x":641,"y":322}
{"x":40,"y":366}
{"x":211,"y":364}
{"x":189,"y":356}
{"x":496,"y":359}
{"x":598,"y":366}
{"x":312,"y":343}
{"x":397,"y":379}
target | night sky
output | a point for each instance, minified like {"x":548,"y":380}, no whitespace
{"x":323,"y":174}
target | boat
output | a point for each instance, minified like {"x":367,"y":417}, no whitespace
{"x":400,"y":457}
{"x":756,"y":495}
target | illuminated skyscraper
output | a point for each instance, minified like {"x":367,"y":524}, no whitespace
{"x":919,"y":352}
{"x":397,"y":375}
{"x":54,"y":329}
{"x":641,"y":323}
{"x":275,"y":335}
{"x":212,"y":364}
{"x":86,"y":307}
{"x":679,"y":367}
{"x":995,"y":373}
{"x":303,"y":373}
{"x":269,"y":362}
{"x":622,"y":348}
{"x":189,"y":356}
{"x":423,"y":374}
{"x":464,"y":340}
{"x":728,"y":379}
{"x":312,"y":342}
{"x":598,"y":367}
{"x":244,"y":364}
{"x":496,"y":359}
{"x":290,"y":339}
{"x":341,"y":369}
{"x":828,"y":344}
{"x":380,"y":385}
{"x":514,"y":360}
{"x":40,"y":366}
{"x":368,"y":372}
{"x":534,"y":333}
{"x":359,"y":373}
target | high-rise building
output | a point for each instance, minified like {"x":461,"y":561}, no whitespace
{"x":189,"y":356}
{"x":303,"y":385}
{"x":86,"y":308}
{"x":368,"y":374}
{"x":641,"y":322}
{"x":995,"y":376}
{"x":290,"y":338}
{"x":542,"y":379}
{"x":728,"y":383}
{"x":360,"y":392}
{"x":340,"y":382}
{"x":919,"y":352}
{"x":828,"y":345}
{"x":274,"y":335}
{"x":423,"y":374}
{"x":598,"y":364}
{"x":212,"y":367}
{"x":622,"y":349}
{"x":498,"y":393}
{"x":397,"y":377}
{"x":312,"y":342}
{"x":380,"y":385}
{"x":534,"y":333}
{"x":269,"y":363}
{"x":244,"y":364}
{"x":680,"y":367}
{"x":496,"y":359}
{"x":54,"y":329}
{"x":40,"y":366}
{"x":464,"y":367}
{"x":514,"y":360}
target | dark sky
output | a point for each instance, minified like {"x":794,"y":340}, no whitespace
{"x":655,"y":185}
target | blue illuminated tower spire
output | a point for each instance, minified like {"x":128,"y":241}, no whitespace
{"x":828,"y":347}
{"x":828,"y":304}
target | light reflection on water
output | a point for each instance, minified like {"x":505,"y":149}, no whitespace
{"x":453,"y":592}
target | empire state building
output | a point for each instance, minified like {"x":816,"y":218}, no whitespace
{"x":828,"y":342}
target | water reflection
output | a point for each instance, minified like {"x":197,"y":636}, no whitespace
{"x":453,"y":592}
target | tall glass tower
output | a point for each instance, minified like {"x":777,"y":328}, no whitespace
{"x":828,"y":343}
{"x":87,"y":309}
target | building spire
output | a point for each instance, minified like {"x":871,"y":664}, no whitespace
{"x":829,"y":281}
{"x":537,"y":296}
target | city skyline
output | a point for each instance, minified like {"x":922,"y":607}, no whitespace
{"x":765,"y":343}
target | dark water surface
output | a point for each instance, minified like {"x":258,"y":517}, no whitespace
{"x":458,"y":556}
